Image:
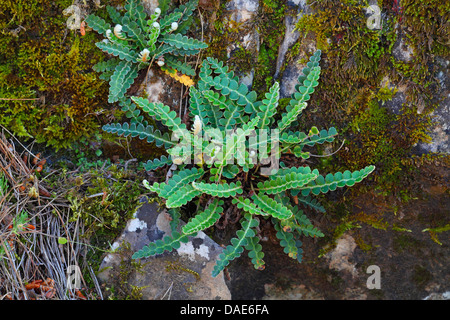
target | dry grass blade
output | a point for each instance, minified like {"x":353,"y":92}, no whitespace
{"x":33,"y":262}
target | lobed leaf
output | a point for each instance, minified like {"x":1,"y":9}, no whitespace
{"x":224,"y":190}
{"x":205,"y":219}
{"x":234,"y":250}
{"x":168,"y":243}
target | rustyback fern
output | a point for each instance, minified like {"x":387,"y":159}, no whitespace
{"x":136,"y":41}
{"x":229,"y":160}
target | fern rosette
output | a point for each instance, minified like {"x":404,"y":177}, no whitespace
{"x":136,"y":41}
{"x":232,"y":163}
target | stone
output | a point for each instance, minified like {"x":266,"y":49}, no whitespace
{"x":183,"y":274}
{"x":339,"y":258}
{"x":239,"y":17}
{"x":402,"y":51}
{"x":288,"y":72}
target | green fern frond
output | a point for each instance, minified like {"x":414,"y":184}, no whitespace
{"x":134,"y":31}
{"x":291,"y":116}
{"x":182,"y":196}
{"x":219,"y":68}
{"x":312,"y":203}
{"x":141,"y":131}
{"x":167,"y":20}
{"x":333,"y":181}
{"x":306,"y":89}
{"x":230,"y":87}
{"x":131,"y":110}
{"x":289,"y":243}
{"x":118,"y":50}
{"x":168,"y":243}
{"x":224,"y":190}
{"x":121,"y":80}
{"x":161,"y":113}
{"x":269,"y":106}
{"x":187,"y":9}
{"x":255,"y":252}
{"x":234,"y":250}
{"x":177,"y":181}
{"x":107,"y":65}
{"x":205,"y":219}
{"x":157,"y":163}
{"x":183,"y":42}
{"x":179,"y":66}
{"x":197,"y":105}
{"x":271,"y":207}
{"x":248,"y":206}
{"x":97,"y":23}
{"x":115,"y":16}
{"x":285,"y":182}
{"x":164,"y":5}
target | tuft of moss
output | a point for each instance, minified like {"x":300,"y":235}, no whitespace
{"x":47,"y":88}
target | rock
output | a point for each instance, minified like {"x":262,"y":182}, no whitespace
{"x":438,"y":296}
{"x":296,"y":10}
{"x":183,"y":274}
{"x":440,"y":130}
{"x":402,"y":51}
{"x":293,"y":69}
{"x":239,"y":17}
{"x":340,"y":257}
{"x":159,"y":87}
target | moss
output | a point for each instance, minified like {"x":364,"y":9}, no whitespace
{"x":352,"y":90}
{"x":271,"y":29}
{"x":104,"y":200}
{"x":46,"y":75}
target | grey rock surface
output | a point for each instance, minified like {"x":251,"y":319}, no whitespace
{"x":183,"y":274}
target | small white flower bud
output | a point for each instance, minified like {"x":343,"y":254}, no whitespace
{"x":160,"y":63}
{"x":143,"y":55}
{"x":197,"y":127}
{"x":158,"y":11}
{"x":174,"y":26}
{"x":155,"y":25}
{"x":117,"y":28}
{"x":118,"y":31}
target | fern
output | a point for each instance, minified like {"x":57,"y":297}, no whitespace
{"x":141,"y":40}
{"x":180,"y":179}
{"x":234,"y":250}
{"x":332,"y":181}
{"x":255,"y":252}
{"x":168,"y":243}
{"x":291,"y":246}
{"x":98,"y":24}
{"x":271,"y":207}
{"x":269,"y":106}
{"x":286,"y":182}
{"x":205,"y":219}
{"x":182,"y":196}
{"x":157,"y":163}
{"x":225,"y":117}
{"x":219,"y":190}
{"x":141,"y":131}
